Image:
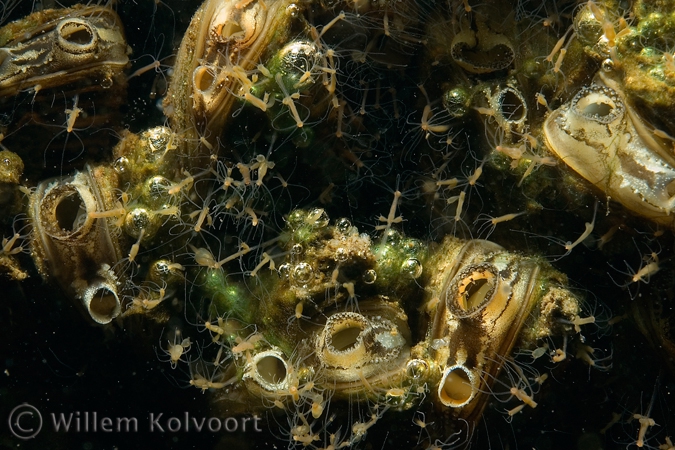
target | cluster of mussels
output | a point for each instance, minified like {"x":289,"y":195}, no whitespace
{"x":452,"y":118}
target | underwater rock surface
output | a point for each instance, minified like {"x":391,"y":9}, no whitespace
{"x":412,"y":224}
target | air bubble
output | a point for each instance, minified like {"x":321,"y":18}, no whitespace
{"x":284,"y":271}
{"x":136,"y":221}
{"x":297,"y":250}
{"x":608,"y":65}
{"x":369,"y":276}
{"x":121,"y":165}
{"x":341,"y":254}
{"x":343,"y":225}
{"x":318,"y":218}
{"x":157,"y":188}
{"x":392,"y":236}
{"x":296,"y":219}
{"x":417,"y":368}
{"x":412,"y":267}
{"x":293,"y":10}
{"x":302,"y":273}
{"x":413,"y":246}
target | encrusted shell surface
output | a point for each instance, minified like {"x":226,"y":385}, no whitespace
{"x":600,"y":137}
